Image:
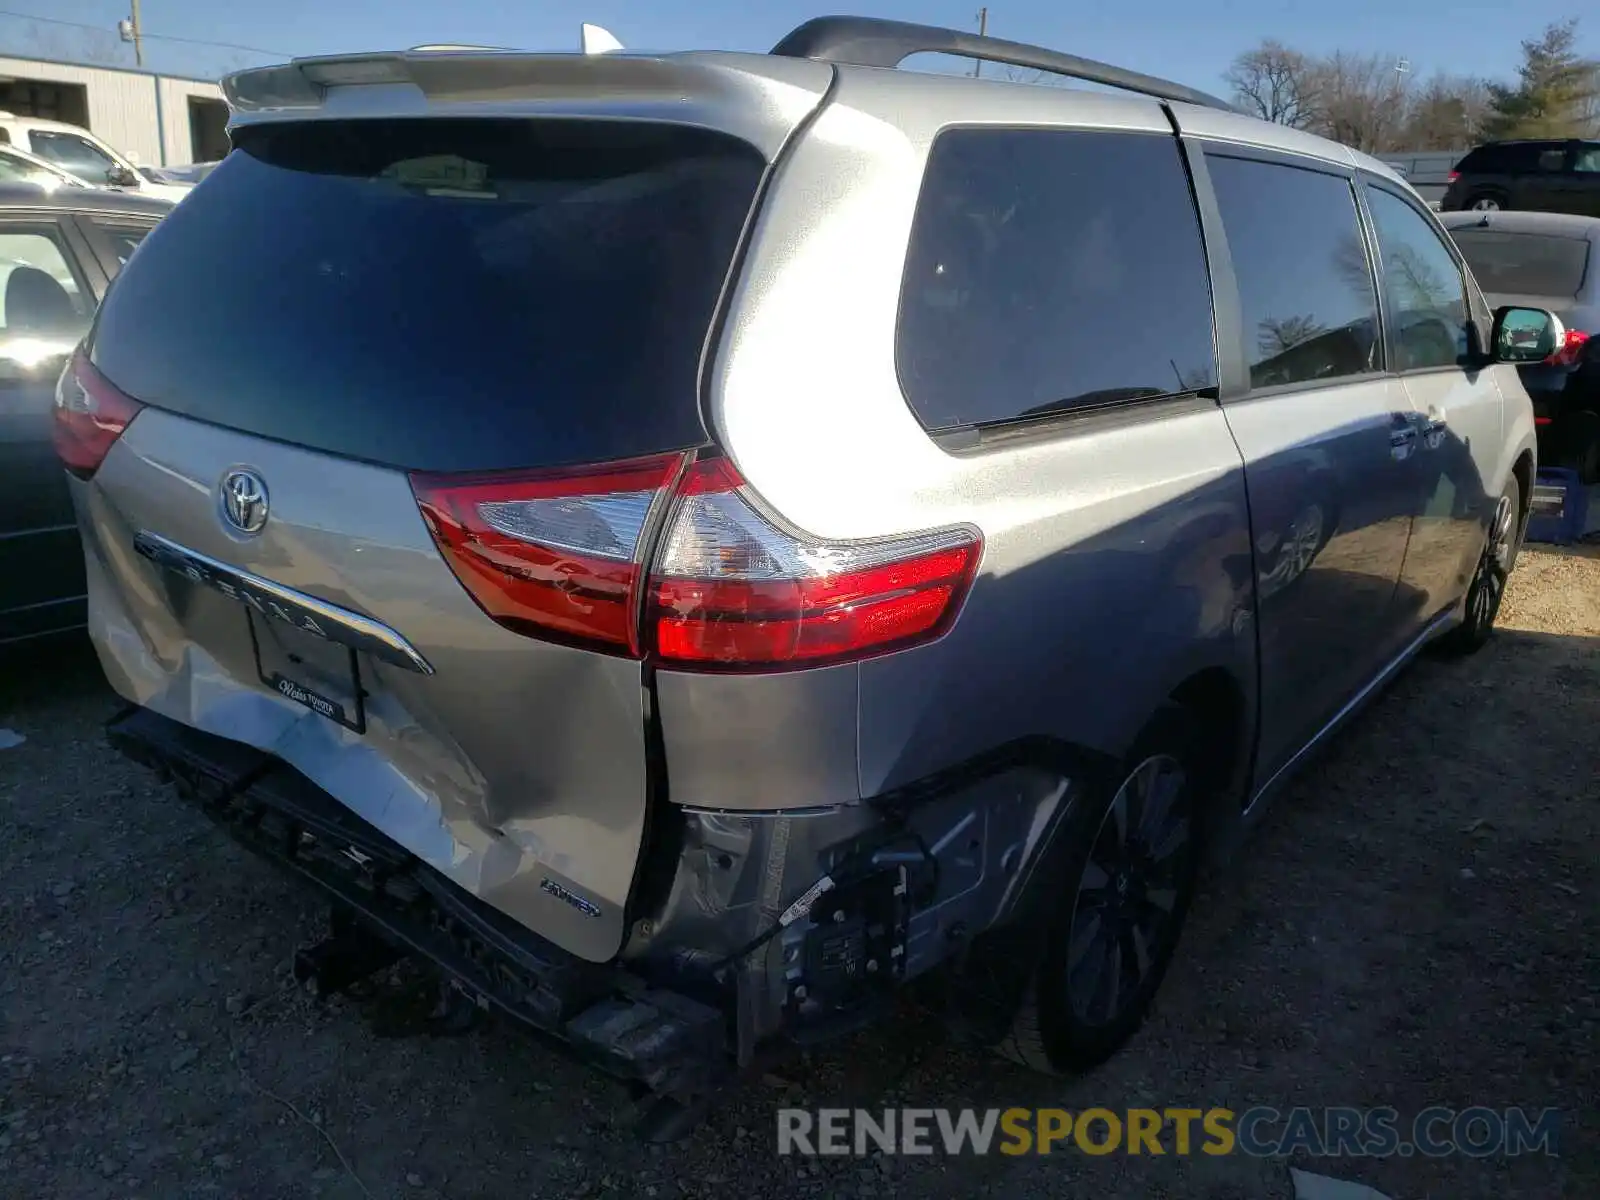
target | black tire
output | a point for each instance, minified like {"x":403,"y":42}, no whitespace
{"x":1494,"y":201}
{"x":1501,"y":544}
{"x":1051,"y":1032}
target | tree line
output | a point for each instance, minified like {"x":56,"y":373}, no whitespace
{"x":1378,"y":104}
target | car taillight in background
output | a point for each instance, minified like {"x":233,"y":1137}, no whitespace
{"x":1452,"y":177}
{"x":90,"y":414}
{"x":1571,"y":349}
{"x":560,"y":556}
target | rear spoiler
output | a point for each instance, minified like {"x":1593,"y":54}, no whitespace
{"x":759,"y":98}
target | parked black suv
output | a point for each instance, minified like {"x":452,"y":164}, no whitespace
{"x":1556,"y":175}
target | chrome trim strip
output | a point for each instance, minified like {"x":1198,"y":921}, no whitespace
{"x":285,"y":604}
{"x":1281,"y":775}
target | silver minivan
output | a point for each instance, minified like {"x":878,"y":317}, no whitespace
{"x":693,"y":544}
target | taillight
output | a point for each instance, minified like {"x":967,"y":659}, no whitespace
{"x":732,"y":590}
{"x":1452,"y":177}
{"x":559,"y":556}
{"x":89,"y":416}
{"x":1571,"y":349}
{"x":552,"y":554}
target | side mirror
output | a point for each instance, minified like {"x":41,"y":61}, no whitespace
{"x":1525,"y":335}
{"x":120,"y":176}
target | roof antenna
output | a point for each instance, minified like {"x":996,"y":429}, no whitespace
{"x":599,"y":41}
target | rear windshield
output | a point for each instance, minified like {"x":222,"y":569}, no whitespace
{"x":440,"y":294}
{"x":1530,"y":264}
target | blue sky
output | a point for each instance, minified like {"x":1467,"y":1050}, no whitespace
{"x":1189,"y":40}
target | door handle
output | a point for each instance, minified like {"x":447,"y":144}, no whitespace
{"x":1434,"y":427}
{"x":1402,"y":442}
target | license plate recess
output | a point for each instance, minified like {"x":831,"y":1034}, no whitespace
{"x":312,"y":671}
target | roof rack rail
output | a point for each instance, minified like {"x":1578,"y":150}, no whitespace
{"x":872,"y":42}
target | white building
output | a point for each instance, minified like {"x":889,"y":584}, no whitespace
{"x":156,"y":120}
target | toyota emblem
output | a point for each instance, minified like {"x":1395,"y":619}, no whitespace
{"x":244,"y":501}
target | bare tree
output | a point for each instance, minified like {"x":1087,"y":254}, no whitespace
{"x":1360,"y":100}
{"x":1355,"y":269}
{"x":1413,"y":281}
{"x":1279,"y":335}
{"x":1446,"y":113}
{"x":1589,"y":109}
{"x":1370,"y":102}
{"x":1275,"y":83}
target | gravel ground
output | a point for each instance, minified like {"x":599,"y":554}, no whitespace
{"x":1409,"y":927}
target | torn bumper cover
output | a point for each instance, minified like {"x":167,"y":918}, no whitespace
{"x":670,"y":1043}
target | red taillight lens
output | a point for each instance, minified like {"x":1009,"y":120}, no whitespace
{"x":1571,"y":349}
{"x":733,"y":591}
{"x":558,"y":556}
{"x":89,"y":416}
{"x":551,"y":554}
{"x":1452,"y":177}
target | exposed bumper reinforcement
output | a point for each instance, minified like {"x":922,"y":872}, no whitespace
{"x":676,"y":1046}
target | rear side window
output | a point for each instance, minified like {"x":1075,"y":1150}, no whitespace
{"x":1426,"y":293}
{"x":1049,"y":271}
{"x":1533,"y":264}
{"x":441,"y":295}
{"x":44,"y":306}
{"x":1510,"y":159}
{"x":122,"y":239}
{"x":1305,"y":282}
{"x":40,"y":295}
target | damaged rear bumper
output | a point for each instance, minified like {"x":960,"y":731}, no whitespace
{"x":912,"y":877}
{"x":676,"y":1046}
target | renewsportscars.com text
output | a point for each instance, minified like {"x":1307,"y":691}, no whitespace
{"x":1259,"y":1132}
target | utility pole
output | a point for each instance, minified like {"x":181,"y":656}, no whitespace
{"x":129,"y":30}
{"x":983,"y":30}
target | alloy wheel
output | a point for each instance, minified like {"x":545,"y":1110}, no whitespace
{"x":1495,"y":566}
{"x":1305,"y":539}
{"x":1125,"y":909}
{"x":1486,"y":204}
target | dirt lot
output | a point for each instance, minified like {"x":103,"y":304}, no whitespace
{"x":1412,"y":926}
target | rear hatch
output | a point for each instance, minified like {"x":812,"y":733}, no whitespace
{"x":412,"y":392}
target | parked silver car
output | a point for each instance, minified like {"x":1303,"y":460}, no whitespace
{"x":692,"y":544}
{"x":1552,"y":261}
{"x":59,"y":251}
{"x":18,"y":166}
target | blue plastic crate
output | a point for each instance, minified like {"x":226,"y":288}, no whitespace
{"x":1559,"y":511}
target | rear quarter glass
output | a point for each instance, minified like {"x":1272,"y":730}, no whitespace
{"x":1034,"y":250}
{"x":440,"y":295}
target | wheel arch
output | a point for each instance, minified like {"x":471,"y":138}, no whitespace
{"x":1218,"y":702}
{"x":1523,"y":471}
